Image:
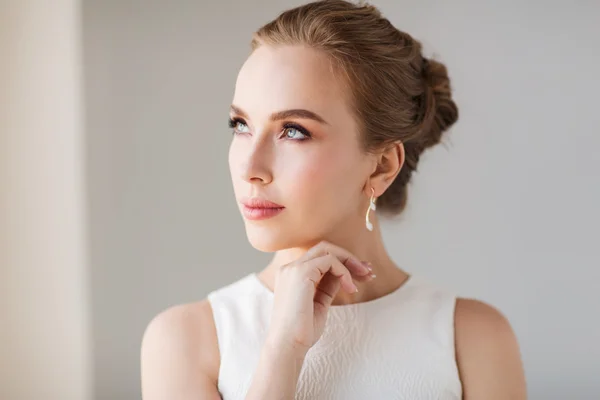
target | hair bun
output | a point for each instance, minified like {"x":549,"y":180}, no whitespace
{"x":441,"y":112}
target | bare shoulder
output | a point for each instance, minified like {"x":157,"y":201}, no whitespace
{"x":474,"y":316}
{"x":179,"y":353}
{"x":487,"y":353}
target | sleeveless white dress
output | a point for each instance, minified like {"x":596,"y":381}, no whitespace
{"x":399,"y":346}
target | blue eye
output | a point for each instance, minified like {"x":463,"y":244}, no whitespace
{"x":238,"y":126}
{"x":241,"y":127}
{"x":295,"y":132}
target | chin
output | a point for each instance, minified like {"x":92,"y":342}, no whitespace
{"x":265,"y":246}
{"x":265,"y":239}
{"x":269,"y":238}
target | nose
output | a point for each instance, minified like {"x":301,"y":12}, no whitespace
{"x":257,"y":161}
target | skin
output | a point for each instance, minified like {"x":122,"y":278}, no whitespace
{"x":324,"y":182}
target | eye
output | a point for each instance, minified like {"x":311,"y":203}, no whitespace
{"x":238,"y":126}
{"x":295,"y":132}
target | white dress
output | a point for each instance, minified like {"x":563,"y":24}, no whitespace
{"x":399,"y":346}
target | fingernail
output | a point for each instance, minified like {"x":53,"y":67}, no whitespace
{"x":368,"y":265}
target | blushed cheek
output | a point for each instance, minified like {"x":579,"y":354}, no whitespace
{"x":315,"y":179}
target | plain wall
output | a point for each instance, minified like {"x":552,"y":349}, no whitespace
{"x":505,"y":211}
{"x":44,"y":294}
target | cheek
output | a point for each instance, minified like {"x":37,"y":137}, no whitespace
{"x":233,"y":159}
{"x":322,"y":176}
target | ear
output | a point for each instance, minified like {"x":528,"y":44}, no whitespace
{"x":389,"y":163}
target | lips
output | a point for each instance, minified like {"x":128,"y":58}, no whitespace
{"x":258,"y":202}
{"x":257,"y":208}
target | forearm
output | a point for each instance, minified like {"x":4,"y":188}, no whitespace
{"x":277,"y":373}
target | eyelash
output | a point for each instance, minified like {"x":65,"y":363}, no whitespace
{"x":288,"y":125}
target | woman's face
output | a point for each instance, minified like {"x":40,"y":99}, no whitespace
{"x":296,"y":144}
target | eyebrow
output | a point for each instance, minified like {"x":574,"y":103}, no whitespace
{"x":285,"y":114}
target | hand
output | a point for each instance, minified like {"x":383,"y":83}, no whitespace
{"x":305,"y":289}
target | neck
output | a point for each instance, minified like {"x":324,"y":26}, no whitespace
{"x":366,"y":246}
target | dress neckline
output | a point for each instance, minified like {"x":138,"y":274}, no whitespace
{"x":409,"y":281}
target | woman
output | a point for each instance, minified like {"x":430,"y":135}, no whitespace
{"x":330,"y":115}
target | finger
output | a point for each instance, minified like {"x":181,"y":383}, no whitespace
{"x":353,"y":263}
{"x":316,"y":269}
{"x":317,"y":275}
{"x":327,"y":290}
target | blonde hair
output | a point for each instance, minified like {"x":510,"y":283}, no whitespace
{"x":395,"y":92}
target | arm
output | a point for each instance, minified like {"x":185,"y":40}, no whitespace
{"x":277,"y":372}
{"x":180,"y":356}
{"x":487,"y":353}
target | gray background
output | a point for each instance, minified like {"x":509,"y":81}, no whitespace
{"x":505,"y":211}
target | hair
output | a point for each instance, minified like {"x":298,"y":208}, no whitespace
{"x":396,"y":94}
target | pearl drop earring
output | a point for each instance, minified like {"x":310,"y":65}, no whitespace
{"x":371,"y":207}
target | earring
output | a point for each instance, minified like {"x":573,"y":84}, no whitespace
{"x":371,"y":207}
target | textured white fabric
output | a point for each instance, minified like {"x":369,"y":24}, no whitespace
{"x":399,"y":346}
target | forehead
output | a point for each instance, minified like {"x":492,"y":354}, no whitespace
{"x":288,"y":77}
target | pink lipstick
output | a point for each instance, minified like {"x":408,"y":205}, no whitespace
{"x":257,"y":208}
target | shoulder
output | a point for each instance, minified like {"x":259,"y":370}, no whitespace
{"x":179,"y":345}
{"x":183,"y":321}
{"x":487,"y":352}
{"x":474,"y":317}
